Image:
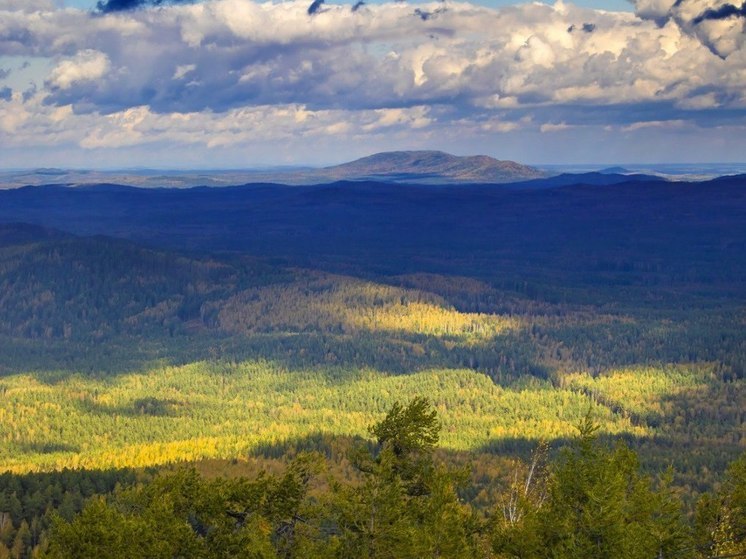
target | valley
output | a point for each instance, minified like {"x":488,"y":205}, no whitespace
{"x":236,"y":329}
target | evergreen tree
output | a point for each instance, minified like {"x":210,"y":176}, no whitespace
{"x":721,"y":519}
{"x":407,"y":505}
{"x":598,"y":506}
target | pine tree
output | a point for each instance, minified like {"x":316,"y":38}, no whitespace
{"x":407,"y":505}
{"x":598,"y":506}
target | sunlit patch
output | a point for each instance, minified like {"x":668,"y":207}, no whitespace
{"x":342,"y":305}
{"x":233,"y":409}
{"x":644,"y":390}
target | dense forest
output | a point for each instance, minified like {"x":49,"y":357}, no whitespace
{"x":576,"y":347}
{"x":396,"y":498}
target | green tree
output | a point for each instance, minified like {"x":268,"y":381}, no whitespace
{"x":721,"y":518}
{"x":407,"y":505}
{"x":598,"y":506}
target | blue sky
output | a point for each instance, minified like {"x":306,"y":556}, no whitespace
{"x":238,"y":83}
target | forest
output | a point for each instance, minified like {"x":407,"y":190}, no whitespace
{"x":397,"y":498}
{"x":233,"y":369}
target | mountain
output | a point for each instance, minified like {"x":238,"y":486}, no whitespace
{"x":425,"y":167}
{"x":600,"y":178}
{"x":432,"y":166}
{"x":616,"y":170}
{"x":24,"y":233}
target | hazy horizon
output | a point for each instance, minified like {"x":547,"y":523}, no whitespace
{"x":715,"y":167}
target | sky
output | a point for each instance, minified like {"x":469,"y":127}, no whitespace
{"x":239,"y":83}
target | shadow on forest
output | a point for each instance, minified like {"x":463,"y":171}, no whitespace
{"x":147,"y":406}
{"x":661,"y":313}
{"x":47,"y":447}
{"x":503,"y":357}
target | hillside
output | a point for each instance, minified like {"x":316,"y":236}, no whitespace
{"x":650,"y":241}
{"x":111,"y":332}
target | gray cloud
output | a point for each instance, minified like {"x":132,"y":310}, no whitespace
{"x":723,"y":12}
{"x":717,"y":24}
{"x":107,"y":6}
{"x":315,"y":7}
{"x":26,"y":5}
{"x":425,"y":15}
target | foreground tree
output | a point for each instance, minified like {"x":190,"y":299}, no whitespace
{"x":598,"y":505}
{"x":592,"y":502}
{"x":183,"y":515}
{"x":404,"y":505}
{"x":407,"y":504}
{"x":721,"y":518}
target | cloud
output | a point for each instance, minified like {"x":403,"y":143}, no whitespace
{"x":722,"y":12}
{"x":554,"y":127}
{"x":28,"y":6}
{"x":425,"y":15}
{"x":124,"y":77}
{"x":107,"y":6}
{"x":654,"y":124}
{"x":718,"y":24}
{"x":86,"y":66}
{"x":183,"y":70}
{"x":315,"y":7}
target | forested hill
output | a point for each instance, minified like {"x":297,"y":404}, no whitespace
{"x":626,"y":298}
{"x":56,"y":285}
{"x":145,"y":327}
{"x":651,"y":237}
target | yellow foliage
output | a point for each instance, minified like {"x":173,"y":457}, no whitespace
{"x":339,"y":304}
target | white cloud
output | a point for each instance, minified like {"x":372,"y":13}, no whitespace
{"x":86,"y":65}
{"x":554,"y":127}
{"x":183,"y":70}
{"x":26,"y":5}
{"x":654,"y":124}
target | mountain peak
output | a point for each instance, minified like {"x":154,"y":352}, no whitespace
{"x":434,"y":166}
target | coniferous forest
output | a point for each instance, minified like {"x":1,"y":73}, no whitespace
{"x":373,"y":370}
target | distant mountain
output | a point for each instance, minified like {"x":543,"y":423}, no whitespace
{"x":423,"y":167}
{"x":615,"y":171}
{"x":600,"y":178}
{"x":432,"y":166}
